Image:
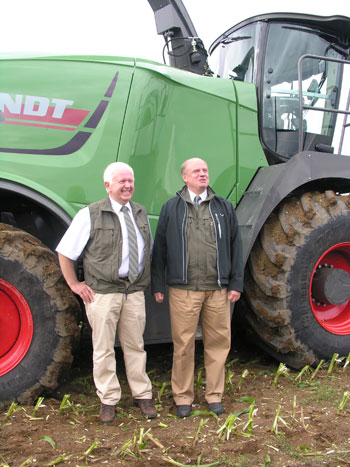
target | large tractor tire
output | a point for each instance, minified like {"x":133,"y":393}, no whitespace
{"x":39,"y":318}
{"x":298,"y":284}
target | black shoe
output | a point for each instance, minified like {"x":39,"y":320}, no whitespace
{"x":216,"y":407}
{"x":183,"y":410}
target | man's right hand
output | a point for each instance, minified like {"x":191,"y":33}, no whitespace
{"x":84,"y":291}
{"x":159,"y":297}
{"x":79,"y":288}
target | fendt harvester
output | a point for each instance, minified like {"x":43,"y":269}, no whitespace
{"x":269,"y":115}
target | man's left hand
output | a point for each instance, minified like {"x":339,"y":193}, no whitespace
{"x":233,"y":296}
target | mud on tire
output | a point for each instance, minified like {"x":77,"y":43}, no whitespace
{"x":30,"y":276}
{"x":301,"y":234}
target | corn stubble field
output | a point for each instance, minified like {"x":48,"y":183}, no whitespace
{"x":274,"y":416}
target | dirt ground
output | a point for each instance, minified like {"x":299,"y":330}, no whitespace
{"x":272,"y":418}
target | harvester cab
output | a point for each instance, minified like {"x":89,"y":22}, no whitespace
{"x":281,"y":53}
{"x":298,"y":65}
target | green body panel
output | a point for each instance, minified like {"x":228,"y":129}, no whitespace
{"x":74,"y":177}
{"x":90,"y":112}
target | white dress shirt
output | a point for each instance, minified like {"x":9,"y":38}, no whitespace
{"x":202,"y":196}
{"x":77,"y":235}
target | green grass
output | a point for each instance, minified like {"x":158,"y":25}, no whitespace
{"x":323,"y":391}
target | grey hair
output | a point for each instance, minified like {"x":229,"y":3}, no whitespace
{"x":112,"y":169}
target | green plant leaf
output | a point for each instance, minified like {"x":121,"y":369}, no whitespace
{"x":49,"y":440}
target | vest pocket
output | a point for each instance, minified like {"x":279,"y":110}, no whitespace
{"x":102,"y":245}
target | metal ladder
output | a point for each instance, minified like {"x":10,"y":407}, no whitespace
{"x":303,"y":107}
{"x":345,"y":124}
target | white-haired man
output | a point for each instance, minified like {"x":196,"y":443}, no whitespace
{"x":114,"y":237}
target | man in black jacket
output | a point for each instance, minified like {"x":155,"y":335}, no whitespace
{"x":198,"y":253}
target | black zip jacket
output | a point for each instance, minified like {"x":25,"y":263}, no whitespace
{"x":170,"y":245}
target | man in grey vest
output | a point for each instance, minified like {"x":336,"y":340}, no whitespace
{"x":198,"y":254}
{"x":114,"y":237}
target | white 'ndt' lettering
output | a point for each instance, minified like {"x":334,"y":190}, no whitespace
{"x":13,"y":106}
{"x":33,"y":105}
{"x":60,"y":107}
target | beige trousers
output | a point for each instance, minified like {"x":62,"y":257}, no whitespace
{"x":126,"y":314}
{"x":186,"y":306}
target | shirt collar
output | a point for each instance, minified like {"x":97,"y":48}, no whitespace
{"x":202,"y":196}
{"x":117,"y":206}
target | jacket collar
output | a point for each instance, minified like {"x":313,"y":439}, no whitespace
{"x":184,"y":193}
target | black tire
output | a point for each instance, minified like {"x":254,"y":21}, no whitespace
{"x":30,"y":271}
{"x":295,"y":239}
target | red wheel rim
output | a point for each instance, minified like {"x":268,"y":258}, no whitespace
{"x":333,"y":318}
{"x":16,"y":327}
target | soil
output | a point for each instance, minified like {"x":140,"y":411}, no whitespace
{"x":310,"y":428}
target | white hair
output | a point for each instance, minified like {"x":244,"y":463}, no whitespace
{"x":112,"y":169}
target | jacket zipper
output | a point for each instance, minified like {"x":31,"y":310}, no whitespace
{"x":184,"y":223}
{"x":216,"y":242}
{"x":219,"y":226}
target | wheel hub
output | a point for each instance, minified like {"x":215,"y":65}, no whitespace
{"x":16,"y":325}
{"x":329,"y":289}
{"x":331,"y":286}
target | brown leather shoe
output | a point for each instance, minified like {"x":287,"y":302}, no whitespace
{"x":107,"y":413}
{"x":147,"y":408}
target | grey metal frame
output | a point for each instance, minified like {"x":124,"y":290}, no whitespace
{"x":309,"y":107}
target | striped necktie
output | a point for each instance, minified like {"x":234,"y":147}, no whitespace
{"x":196,"y":201}
{"x":133,"y":250}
